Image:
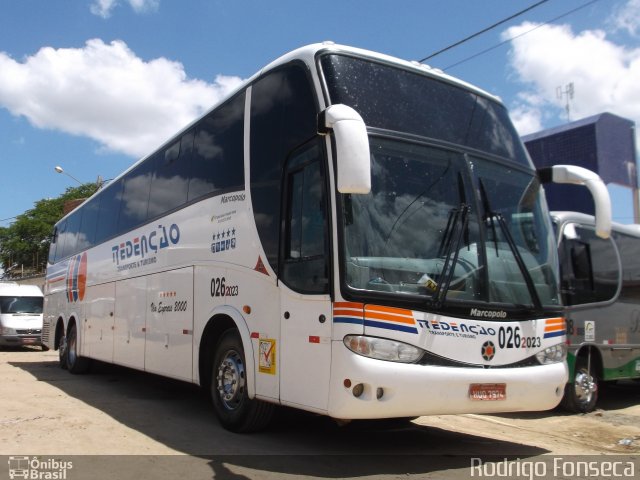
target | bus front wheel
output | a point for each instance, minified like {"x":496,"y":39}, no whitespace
{"x":581,"y":396}
{"x":233,"y":407}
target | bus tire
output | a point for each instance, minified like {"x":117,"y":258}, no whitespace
{"x":232,"y":405}
{"x":581,"y":396}
{"x":75,"y":363}
{"x":62,"y":352}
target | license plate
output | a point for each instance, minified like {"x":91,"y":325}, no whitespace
{"x":488,"y":391}
{"x":29,"y":340}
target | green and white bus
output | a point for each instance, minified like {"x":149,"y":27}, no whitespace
{"x":600,"y":285}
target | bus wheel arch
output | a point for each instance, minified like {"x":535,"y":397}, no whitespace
{"x":226,"y":374}
{"x":75,"y":363}
{"x":581,"y":395}
{"x":60,"y":343}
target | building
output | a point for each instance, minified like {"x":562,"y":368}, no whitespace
{"x":603,"y":143}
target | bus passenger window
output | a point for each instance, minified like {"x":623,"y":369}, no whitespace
{"x":170,"y":182}
{"x":135,"y":196}
{"x":305,"y":257}
{"x":589,"y":267}
{"x":217,"y":162}
{"x":108,"y":212}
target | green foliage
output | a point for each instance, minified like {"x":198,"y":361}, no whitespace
{"x":25,"y":243}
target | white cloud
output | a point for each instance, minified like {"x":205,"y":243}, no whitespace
{"x":605,"y":75}
{"x":627,"y":17}
{"x":107,"y":93}
{"x":103,"y":8}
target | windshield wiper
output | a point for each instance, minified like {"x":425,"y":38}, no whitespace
{"x":450,"y":246}
{"x":504,"y":228}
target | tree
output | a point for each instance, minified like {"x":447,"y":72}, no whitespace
{"x":25,"y":243}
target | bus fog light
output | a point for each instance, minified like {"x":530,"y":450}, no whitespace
{"x":358,"y":390}
{"x":382,"y":349}
{"x":555,"y":354}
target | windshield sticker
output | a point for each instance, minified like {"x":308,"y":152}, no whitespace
{"x":267,"y":352}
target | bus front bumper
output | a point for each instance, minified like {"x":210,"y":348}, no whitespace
{"x":362,"y":387}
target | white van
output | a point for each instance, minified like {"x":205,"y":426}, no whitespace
{"x":20,"y":315}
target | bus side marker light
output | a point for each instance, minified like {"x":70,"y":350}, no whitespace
{"x":358,"y":390}
{"x":246,"y":309}
{"x":347,"y":383}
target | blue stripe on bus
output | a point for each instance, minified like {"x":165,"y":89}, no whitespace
{"x":559,"y":333}
{"x":354,"y":320}
{"x":390,"y":326}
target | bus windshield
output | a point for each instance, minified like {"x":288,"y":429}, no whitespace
{"x":446,"y":220}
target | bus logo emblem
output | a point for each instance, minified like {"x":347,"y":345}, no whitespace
{"x":488,"y":350}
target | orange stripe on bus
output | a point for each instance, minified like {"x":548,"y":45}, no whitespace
{"x":553,"y":328}
{"x":359,"y":306}
{"x":397,"y":311}
{"x":553,"y":321}
{"x":349,"y":313}
{"x":390,"y":318}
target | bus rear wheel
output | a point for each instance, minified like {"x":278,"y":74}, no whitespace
{"x":75,"y":363}
{"x":62,"y":352}
{"x":232,"y":405}
{"x":581,"y":396}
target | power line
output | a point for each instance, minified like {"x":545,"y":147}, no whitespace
{"x":482,"y":52}
{"x":531,"y":7}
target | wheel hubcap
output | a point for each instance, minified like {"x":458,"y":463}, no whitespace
{"x":585,"y":386}
{"x":230,"y":380}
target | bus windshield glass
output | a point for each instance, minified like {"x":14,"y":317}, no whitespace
{"x":445,"y":222}
{"x":399,"y":100}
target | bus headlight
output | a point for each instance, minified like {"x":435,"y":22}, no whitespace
{"x":554,"y":354}
{"x":382,"y":349}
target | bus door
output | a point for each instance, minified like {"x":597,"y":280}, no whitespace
{"x":305,"y":304}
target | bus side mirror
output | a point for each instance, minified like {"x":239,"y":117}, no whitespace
{"x":352,"y":147}
{"x":575,"y":175}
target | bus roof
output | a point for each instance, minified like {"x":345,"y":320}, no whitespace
{"x":308,"y":54}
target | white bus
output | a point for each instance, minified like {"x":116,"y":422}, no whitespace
{"x":348,"y":233}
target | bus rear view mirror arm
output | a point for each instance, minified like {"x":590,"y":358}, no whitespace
{"x":575,"y":175}
{"x":352,"y":147}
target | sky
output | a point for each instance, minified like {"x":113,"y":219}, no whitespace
{"x":93,"y":85}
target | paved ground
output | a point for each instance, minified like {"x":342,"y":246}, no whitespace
{"x":115,"y":411}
